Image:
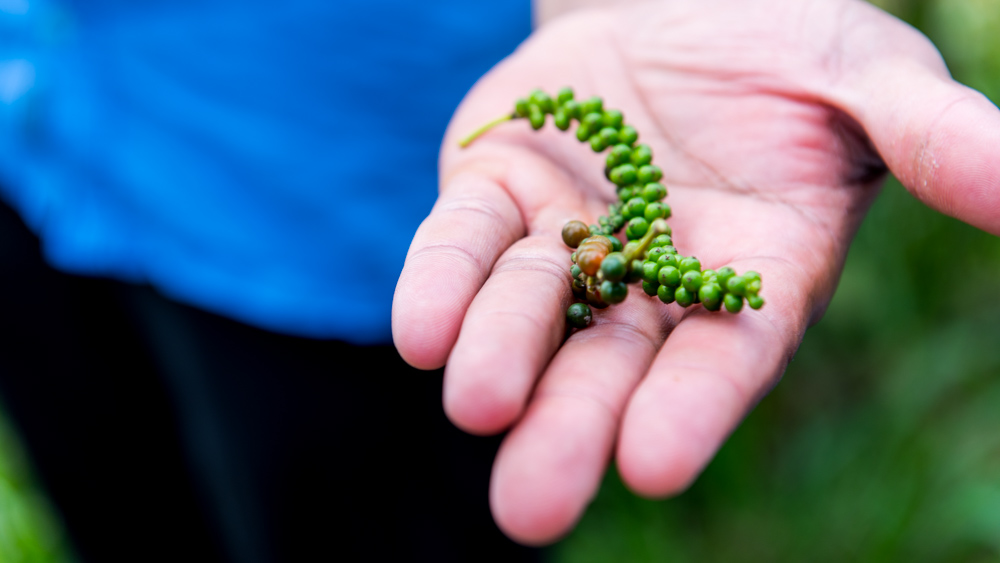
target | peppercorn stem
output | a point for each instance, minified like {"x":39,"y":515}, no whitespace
{"x":658,"y":228}
{"x":475,"y":134}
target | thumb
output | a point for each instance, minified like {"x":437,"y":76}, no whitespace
{"x":939,"y":138}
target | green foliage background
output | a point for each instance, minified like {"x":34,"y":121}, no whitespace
{"x":882,"y":443}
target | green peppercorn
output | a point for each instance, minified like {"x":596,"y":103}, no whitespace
{"x":583,"y":133}
{"x":654,"y":191}
{"x":672,"y":250}
{"x":536,"y":117}
{"x":654,"y":253}
{"x":755,"y":301}
{"x":521,"y":107}
{"x":572,"y":257}
{"x":753,"y":287}
{"x":565,"y":94}
{"x":723,"y":275}
{"x":613,"y":292}
{"x":617,"y":222}
{"x":690,"y":263}
{"x":579,"y":289}
{"x":642,"y":155}
{"x":628,"y":135}
{"x":666,"y":294}
{"x":634,"y":272}
{"x":655,"y":210}
{"x":661,"y":240}
{"x":691,"y":280}
{"x":635,"y":207}
{"x":614,"y":267}
{"x":670,"y":259}
{"x":561,"y":120}
{"x":669,"y":276}
{"x":650,"y":270}
{"x":609,"y":135}
{"x":737,"y":285}
{"x":733,"y":302}
{"x":593,"y":105}
{"x":572,"y":109}
{"x":649,"y":173}
{"x":684,"y":297}
{"x":626,"y":193}
{"x":636,"y":228}
{"x":579,"y":315}
{"x":623,"y":175}
{"x":751,"y":275}
{"x":575,"y":271}
{"x":597,"y":143}
{"x":708,"y":275}
{"x":710,"y":295}
{"x":595,"y":229}
{"x":613,"y":118}
{"x":574,"y":232}
{"x":607,"y":230}
{"x":650,"y":287}
{"x":620,"y":154}
{"x":542,"y":100}
{"x":593,"y":120}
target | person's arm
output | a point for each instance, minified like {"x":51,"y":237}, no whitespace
{"x":772,"y":120}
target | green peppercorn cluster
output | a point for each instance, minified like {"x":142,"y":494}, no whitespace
{"x":601,"y":266}
{"x":629,"y":164}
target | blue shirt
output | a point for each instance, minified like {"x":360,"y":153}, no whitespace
{"x":268,"y":161}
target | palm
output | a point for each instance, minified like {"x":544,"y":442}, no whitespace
{"x":738,"y":101}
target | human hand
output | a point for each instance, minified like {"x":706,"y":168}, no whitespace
{"x":771,"y":120}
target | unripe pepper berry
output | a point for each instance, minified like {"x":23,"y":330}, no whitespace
{"x":710,"y":295}
{"x":733,"y":302}
{"x":614,"y":267}
{"x":684,"y":297}
{"x":636,"y":228}
{"x":578,"y":315}
{"x":536,"y":117}
{"x":666,"y":294}
{"x":649,"y":173}
{"x":628,"y":135}
{"x":691,"y":280}
{"x":613,"y":292}
{"x":642,"y":155}
{"x":650,"y":288}
{"x":669,"y":276}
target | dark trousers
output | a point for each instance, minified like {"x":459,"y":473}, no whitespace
{"x":164,"y":433}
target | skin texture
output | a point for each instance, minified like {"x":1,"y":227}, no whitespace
{"x":774,"y":122}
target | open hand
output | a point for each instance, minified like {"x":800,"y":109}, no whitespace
{"x":774,"y":122}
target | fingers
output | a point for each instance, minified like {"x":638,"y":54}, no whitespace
{"x":710,"y":372}
{"x":940,"y":138}
{"x":450,"y":257}
{"x":550,"y":466}
{"x":511,"y":330}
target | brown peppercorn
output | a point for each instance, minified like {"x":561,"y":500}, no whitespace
{"x":574,"y":233}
